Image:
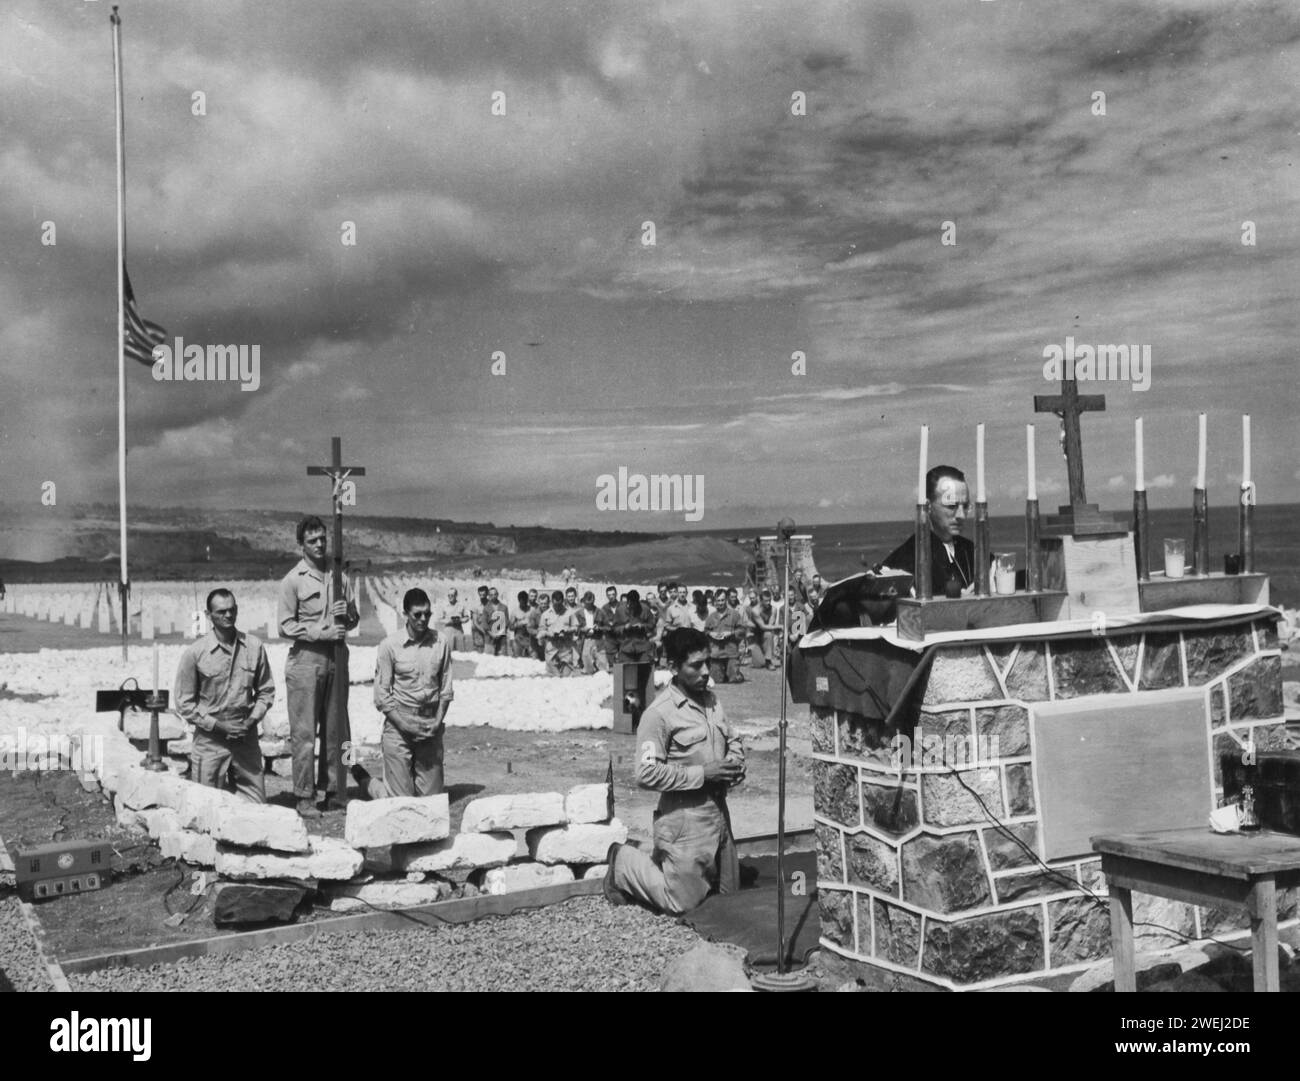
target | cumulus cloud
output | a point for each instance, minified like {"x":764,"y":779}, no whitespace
{"x":350,"y":200}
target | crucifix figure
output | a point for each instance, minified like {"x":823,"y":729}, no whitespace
{"x":339,"y":474}
{"x":1068,"y":405}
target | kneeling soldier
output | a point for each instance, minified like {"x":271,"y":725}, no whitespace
{"x":689,"y":753}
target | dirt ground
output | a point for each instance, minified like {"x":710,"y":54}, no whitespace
{"x":37,"y":808}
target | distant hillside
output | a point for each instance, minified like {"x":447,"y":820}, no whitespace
{"x":164,"y":540}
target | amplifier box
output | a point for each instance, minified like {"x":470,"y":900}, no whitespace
{"x":62,"y":868}
{"x":1276,"y":777}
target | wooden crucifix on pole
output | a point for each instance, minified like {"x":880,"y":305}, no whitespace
{"x":339,"y":474}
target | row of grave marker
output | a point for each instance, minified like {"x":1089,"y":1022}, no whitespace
{"x":93,"y":608}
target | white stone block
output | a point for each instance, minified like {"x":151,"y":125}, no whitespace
{"x":260,"y":825}
{"x":524,"y":876}
{"x":189,"y":846}
{"x":129,"y":818}
{"x":329,"y":860}
{"x":334,"y":860}
{"x":387,"y":895}
{"x":463,"y":852}
{"x":199,"y":805}
{"x":142,"y":788}
{"x":400,"y":820}
{"x":588,"y":803}
{"x":160,"y":820}
{"x":243,"y":866}
{"x":520,"y":811}
{"x":580,"y":843}
{"x":596,"y":870}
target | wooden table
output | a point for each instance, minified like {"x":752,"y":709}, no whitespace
{"x":1200,"y":867}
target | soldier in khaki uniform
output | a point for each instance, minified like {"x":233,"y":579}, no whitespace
{"x":224,"y":688}
{"x":308,"y":613}
{"x":688,"y":752}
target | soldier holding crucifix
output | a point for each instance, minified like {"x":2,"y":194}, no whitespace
{"x":316,"y":622}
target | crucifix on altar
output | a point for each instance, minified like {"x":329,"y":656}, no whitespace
{"x":1086,"y":552}
{"x":339,"y":474}
{"x":1079,"y":517}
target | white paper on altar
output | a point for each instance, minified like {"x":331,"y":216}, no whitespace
{"x":1193,"y":613}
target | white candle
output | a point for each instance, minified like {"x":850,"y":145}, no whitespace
{"x":1139,"y":481}
{"x":979,"y":463}
{"x":155,"y":667}
{"x":925,"y":453}
{"x":1245,"y":450}
{"x":1200,"y":453}
{"x":1032,"y":493}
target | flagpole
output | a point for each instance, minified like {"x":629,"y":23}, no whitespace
{"x":124,"y":580}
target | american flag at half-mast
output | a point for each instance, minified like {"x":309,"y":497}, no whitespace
{"x":141,"y":335}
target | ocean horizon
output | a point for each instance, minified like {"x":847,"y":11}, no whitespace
{"x":838,"y":549}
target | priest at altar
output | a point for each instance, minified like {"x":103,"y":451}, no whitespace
{"x":952,"y":556}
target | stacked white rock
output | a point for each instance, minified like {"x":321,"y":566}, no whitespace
{"x":564,"y":833}
{"x":400,"y":820}
{"x":242,"y":841}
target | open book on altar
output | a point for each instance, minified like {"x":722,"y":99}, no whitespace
{"x":862,"y":600}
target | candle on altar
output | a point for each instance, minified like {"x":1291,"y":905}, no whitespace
{"x":1032,"y":492}
{"x":925,"y":453}
{"x":1245,"y":450}
{"x":155,"y":667}
{"x":1139,"y":482}
{"x":1200,"y":453}
{"x":979,"y":463}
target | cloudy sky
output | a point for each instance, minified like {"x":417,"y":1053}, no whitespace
{"x":778,"y":229}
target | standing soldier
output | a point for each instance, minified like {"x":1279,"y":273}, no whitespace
{"x":413,"y":690}
{"x":224,"y":688}
{"x":605,"y":615}
{"x":765,"y":618}
{"x":479,"y":620}
{"x":498,"y":623}
{"x":588,"y":630}
{"x":308,"y":617}
{"x":634,"y":625}
{"x":535,"y":625}
{"x":452,"y":616}
{"x":521,"y":645}
{"x":558,"y":629}
{"x":724,"y":629}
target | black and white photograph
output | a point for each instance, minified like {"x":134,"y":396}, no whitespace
{"x":598,"y":495}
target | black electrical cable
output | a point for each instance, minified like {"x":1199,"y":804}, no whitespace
{"x":1061,"y":876}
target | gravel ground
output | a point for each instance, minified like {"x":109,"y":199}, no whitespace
{"x":580,"y":945}
{"x":21,"y":968}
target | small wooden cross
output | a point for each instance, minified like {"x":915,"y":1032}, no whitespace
{"x":1068,"y":405}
